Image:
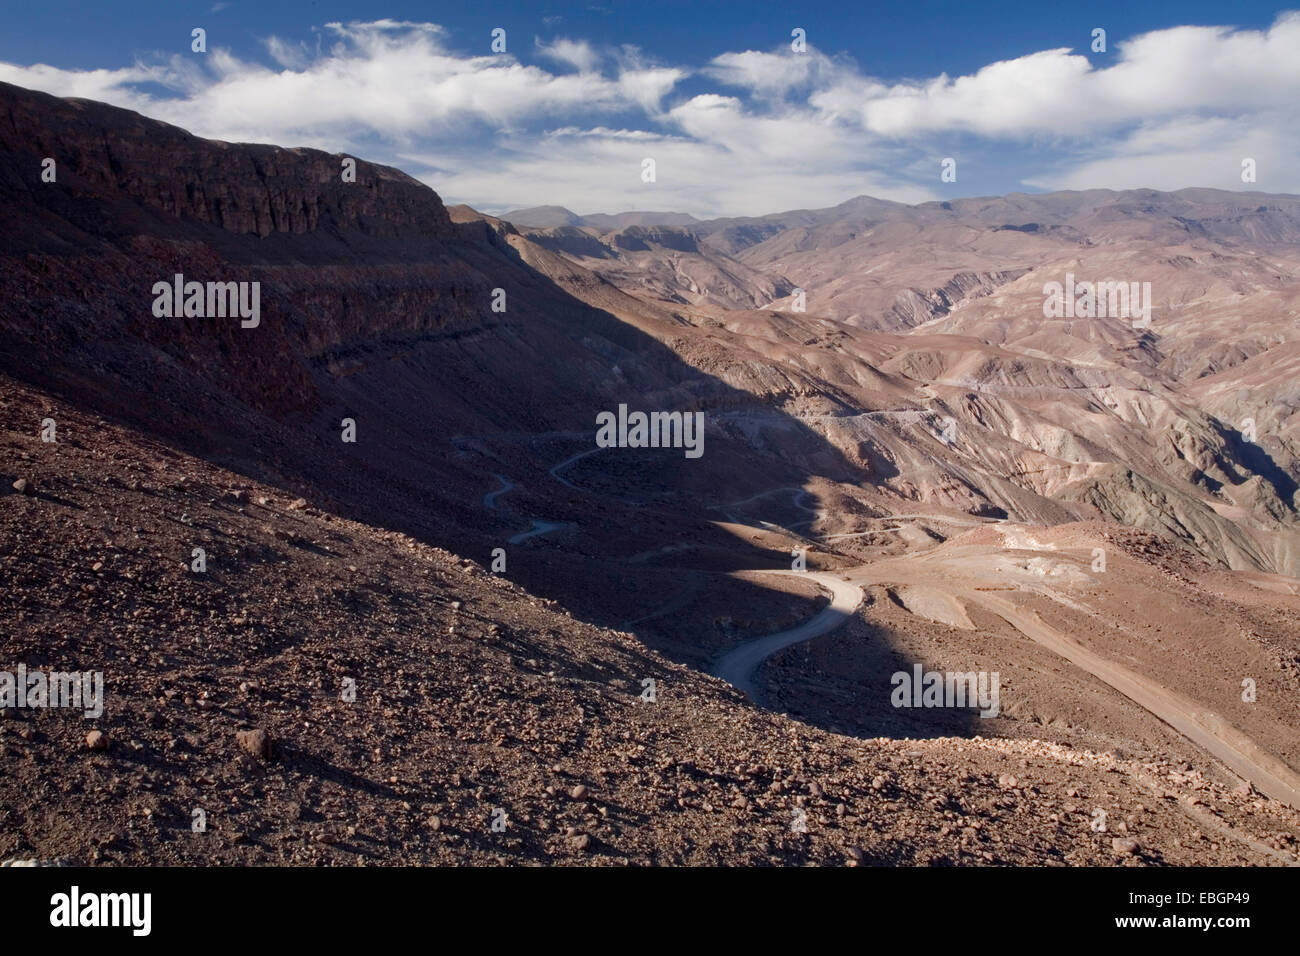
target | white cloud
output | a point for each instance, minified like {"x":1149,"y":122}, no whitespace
{"x":109,"y":85}
{"x":599,"y":170}
{"x":576,"y":53}
{"x":1187,"y":151}
{"x":648,"y":86}
{"x":1182,"y":70}
{"x":776,"y":74}
{"x":1170,"y":108}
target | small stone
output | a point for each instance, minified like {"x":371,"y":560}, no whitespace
{"x":1007,"y":782}
{"x":298,"y":504}
{"x":878,"y":782}
{"x":1125,"y":846}
{"x":95,"y":740}
{"x":21,"y":486}
{"x":579,"y":792}
{"x":581,"y":842}
{"x":855,"y":856}
{"x":255,"y":742}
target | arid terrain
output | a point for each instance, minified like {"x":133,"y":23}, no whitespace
{"x":474,"y":635}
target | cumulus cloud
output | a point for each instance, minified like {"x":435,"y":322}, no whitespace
{"x":705,"y":179}
{"x":394,"y":79}
{"x":754,"y":132}
{"x":576,"y":53}
{"x":777,"y":74}
{"x":1182,"y":70}
{"x":113,"y":86}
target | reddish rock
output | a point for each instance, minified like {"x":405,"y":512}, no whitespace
{"x":255,"y":742}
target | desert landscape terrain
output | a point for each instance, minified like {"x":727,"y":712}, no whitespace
{"x":437,"y":621}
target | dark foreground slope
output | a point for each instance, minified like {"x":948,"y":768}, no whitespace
{"x":471,"y":697}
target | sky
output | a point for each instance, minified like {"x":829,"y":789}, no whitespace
{"x":736,"y":120}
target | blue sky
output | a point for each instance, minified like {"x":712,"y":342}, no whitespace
{"x":736,"y":121}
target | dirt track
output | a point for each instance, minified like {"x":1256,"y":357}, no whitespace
{"x":737,"y":666}
{"x":1201,"y":726}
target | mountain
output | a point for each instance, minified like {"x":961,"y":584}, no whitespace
{"x":664,"y":263}
{"x":541,"y":217}
{"x":623,"y":220}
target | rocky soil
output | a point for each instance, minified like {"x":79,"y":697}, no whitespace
{"x":471,"y":696}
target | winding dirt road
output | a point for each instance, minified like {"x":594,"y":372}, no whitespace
{"x":1207,"y":730}
{"x":555,"y":471}
{"x":490,"y":499}
{"x":737,"y":666}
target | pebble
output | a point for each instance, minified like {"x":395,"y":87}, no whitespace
{"x":1125,"y":846}
{"x":255,"y":742}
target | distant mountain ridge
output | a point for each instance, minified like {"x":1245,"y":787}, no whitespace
{"x":542,"y":217}
{"x":1277,"y":215}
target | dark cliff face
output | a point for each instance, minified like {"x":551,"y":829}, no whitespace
{"x":349,"y":271}
{"x":257,"y":190}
